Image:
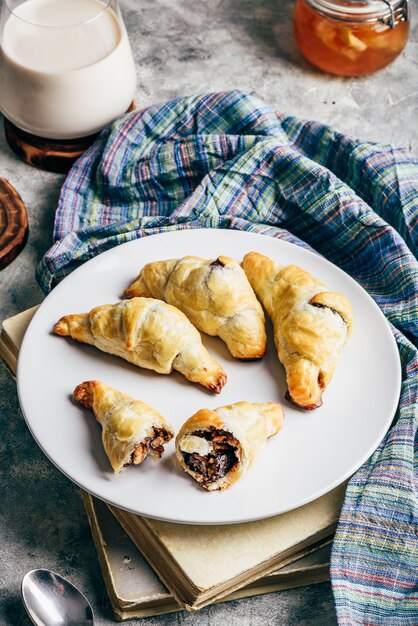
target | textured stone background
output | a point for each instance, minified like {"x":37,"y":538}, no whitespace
{"x":181,"y":47}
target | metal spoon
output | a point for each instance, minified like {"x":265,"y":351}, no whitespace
{"x":51,"y":600}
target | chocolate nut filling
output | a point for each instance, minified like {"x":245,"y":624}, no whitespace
{"x":222,"y":459}
{"x":151,"y":446}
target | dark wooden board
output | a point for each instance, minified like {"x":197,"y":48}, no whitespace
{"x":14,"y":227}
{"x":48,"y":154}
{"x":45,"y":154}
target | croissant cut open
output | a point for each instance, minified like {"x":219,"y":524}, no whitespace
{"x":217,"y":447}
{"x":311,"y":324}
{"x":214,"y":294}
{"x":131,"y":429}
{"x":148,"y":333}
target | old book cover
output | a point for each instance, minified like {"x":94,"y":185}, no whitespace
{"x":234,"y":555}
{"x":11,"y":336}
{"x":136,"y":591}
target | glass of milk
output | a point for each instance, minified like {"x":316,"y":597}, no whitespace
{"x":66,"y":66}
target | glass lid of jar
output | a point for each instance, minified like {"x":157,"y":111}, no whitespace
{"x":390,"y":11}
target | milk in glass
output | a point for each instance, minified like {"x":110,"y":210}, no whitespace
{"x":66,"y":67}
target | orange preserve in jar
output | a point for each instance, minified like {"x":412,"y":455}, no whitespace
{"x":351,"y":37}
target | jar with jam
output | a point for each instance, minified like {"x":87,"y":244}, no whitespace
{"x":351,"y":37}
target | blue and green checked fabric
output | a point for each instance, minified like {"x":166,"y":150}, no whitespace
{"x":227,"y":160}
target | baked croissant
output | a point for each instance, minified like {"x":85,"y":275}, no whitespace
{"x":311,"y":325}
{"x":131,"y":429}
{"x":217,"y":447}
{"x":214,"y":294}
{"x":148,"y":333}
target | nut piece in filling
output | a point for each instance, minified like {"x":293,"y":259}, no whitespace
{"x":217,"y":447}
{"x":131,"y":429}
{"x":152,"y":446}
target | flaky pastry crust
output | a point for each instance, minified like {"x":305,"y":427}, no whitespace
{"x":311,"y":324}
{"x":214,"y":294}
{"x":131,"y":429}
{"x":226,"y":441}
{"x":148,"y":333}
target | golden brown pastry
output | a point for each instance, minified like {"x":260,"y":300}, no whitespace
{"x":311,"y":325}
{"x":214,"y":294}
{"x":217,"y":447}
{"x":131,"y":429}
{"x":148,"y":333}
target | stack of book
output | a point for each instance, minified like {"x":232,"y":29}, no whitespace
{"x":152,"y":567}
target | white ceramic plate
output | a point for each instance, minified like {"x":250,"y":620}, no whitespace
{"x":314,"y":452}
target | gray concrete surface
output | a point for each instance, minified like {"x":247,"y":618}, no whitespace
{"x":181,"y":47}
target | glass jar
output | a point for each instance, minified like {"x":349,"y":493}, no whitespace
{"x":351,"y":37}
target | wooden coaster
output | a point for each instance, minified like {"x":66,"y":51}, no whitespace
{"x":14,"y":227}
{"x":48,"y":154}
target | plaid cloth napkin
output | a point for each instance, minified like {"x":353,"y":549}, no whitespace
{"x":227,"y":160}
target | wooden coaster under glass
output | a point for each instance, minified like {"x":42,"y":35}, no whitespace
{"x":48,"y":154}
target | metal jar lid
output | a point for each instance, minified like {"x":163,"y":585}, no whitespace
{"x":388,"y":12}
